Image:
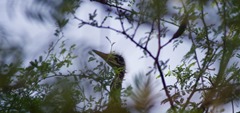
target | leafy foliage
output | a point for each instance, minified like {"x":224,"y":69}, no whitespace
{"x":209,"y":69}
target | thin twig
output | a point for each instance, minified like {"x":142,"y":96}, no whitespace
{"x":159,"y":39}
{"x":149,"y":36}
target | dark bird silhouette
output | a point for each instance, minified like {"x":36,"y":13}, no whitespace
{"x":118,"y":64}
{"x":181,"y":28}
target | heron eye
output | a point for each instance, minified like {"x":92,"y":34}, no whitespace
{"x":119,"y":60}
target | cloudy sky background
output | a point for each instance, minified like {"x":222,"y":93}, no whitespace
{"x":35,"y":38}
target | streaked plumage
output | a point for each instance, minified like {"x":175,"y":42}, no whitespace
{"x":118,"y":64}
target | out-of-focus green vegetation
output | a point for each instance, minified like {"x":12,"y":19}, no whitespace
{"x":209,"y":71}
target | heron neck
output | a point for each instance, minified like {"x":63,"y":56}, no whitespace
{"x":116,"y":86}
{"x":120,"y":72}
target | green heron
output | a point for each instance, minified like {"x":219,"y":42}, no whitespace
{"x":118,"y":64}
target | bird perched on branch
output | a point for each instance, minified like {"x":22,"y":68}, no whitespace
{"x":118,"y":64}
{"x":181,"y":28}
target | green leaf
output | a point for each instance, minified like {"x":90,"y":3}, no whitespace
{"x":63,"y":51}
{"x":91,"y":59}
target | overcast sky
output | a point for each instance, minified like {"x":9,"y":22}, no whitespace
{"x":36,"y":36}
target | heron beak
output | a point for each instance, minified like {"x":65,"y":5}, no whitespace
{"x":104,"y":56}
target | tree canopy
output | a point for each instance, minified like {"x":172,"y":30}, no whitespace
{"x":206,"y":79}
